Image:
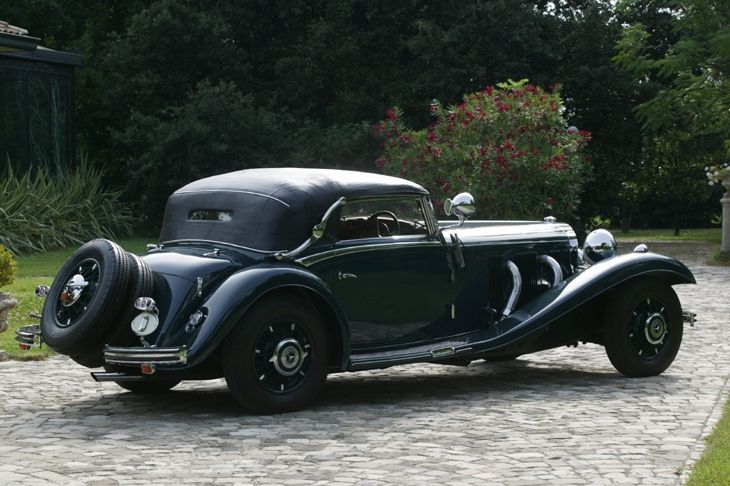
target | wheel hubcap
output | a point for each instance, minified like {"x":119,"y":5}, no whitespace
{"x":288,"y":357}
{"x":655,"y":329}
{"x":649,"y":329}
{"x":77,"y":293}
{"x":282,"y":356}
{"x":73,"y":289}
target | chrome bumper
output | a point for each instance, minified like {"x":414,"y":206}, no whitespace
{"x":689,"y":317}
{"x":29,"y":336}
{"x":140,"y":356}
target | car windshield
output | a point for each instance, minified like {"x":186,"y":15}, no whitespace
{"x":370,"y":218}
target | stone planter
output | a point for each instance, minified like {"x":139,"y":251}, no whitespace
{"x":6,"y":304}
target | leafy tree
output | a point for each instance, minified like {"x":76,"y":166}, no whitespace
{"x":686,"y":121}
{"x":509,"y":146}
{"x":215,"y":129}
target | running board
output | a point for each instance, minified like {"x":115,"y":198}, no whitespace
{"x":385,"y":359}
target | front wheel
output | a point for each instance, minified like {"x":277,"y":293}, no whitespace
{"x":275,"y":360}
{"x":643,"y":328}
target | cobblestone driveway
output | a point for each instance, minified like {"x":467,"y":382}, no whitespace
{"x":558,"y":417}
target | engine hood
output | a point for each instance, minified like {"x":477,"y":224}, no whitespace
{"x":506,"y":232}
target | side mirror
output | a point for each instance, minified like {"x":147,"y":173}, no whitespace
{"x":462,"y":206}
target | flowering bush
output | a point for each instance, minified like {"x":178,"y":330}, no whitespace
{"x":716,"y":173}
{"x":7,"y":267}
{"x":509,"y":146}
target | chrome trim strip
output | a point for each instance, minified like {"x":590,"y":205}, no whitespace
{"x":428,"y":213}
{"x":267,"y":196}
{"x":138,"y":356}
{"x":442,"y":352}
{"x":394,"y":245}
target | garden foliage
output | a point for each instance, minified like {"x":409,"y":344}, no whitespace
{"x":7,"y":267}
{"x":509,"y":146}
{"x":41,"y":210}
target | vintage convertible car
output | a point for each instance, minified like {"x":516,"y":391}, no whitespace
{"x":274,"y":278}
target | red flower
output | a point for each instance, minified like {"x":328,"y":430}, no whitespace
{"x":549,"y":201}
{"x":379,"y":163}
{"x":391,"y":114}
{"x":436,"y":152}
{"x":501,"y":106}
{"x":432,"y":137}
{"x":488,"y":90}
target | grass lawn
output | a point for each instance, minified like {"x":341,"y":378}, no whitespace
{"x":708,"y":235}
{"x":39,"y":270}
{"x":714,"y":466}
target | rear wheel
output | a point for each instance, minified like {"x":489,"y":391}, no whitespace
{"x":275,"y":360}
{"x":643,"y":328}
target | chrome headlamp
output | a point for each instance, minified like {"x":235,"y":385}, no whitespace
{"x":599,"y":245}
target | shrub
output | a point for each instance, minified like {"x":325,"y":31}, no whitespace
{"x":509,"y":146}
{"x":40,"y":210}
{"x":7,"y":267}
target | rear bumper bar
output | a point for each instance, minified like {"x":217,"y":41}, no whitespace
{"x":29,"y":336}
{"x":139,"y":356}
{"x":116,"y":377}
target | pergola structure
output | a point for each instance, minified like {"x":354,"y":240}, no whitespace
{"x":36,"y":102}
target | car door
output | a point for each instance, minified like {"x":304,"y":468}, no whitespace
{"x":392,"y":276}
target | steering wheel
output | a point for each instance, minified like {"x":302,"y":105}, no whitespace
{"x":373,"y":219}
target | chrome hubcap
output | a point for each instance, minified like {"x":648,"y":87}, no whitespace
{"x":655,"y":328}
{"x":650,"y":328}
{"x":72,"y":290}
{"x":282,"y":356}
{"x":77,"y":293}
{"x":288,"y":357}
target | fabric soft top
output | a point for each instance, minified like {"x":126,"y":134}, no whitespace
{"x":268,"y":209}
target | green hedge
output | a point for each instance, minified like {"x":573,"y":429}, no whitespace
{"x":40,"y":210}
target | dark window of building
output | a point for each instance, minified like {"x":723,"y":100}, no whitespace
{"x":36,"y":108}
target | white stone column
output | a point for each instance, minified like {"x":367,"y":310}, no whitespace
{"x":725,"y":201}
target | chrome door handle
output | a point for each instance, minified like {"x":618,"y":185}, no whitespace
{"x":343,"y":276}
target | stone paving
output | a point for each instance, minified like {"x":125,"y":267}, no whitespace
{"x":558,"y":417}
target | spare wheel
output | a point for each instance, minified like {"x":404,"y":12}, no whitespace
{"x":84,"y":300}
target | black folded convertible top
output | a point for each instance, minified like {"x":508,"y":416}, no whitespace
{"x":268,"y":209}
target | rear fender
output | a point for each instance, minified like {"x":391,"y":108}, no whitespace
{"x":239,"y":292}
{"x":583,"y":287}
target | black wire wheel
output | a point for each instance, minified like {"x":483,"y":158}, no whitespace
{"x":643,"y":330}
{"x":275,"y":360}
{"x":82,"y":303}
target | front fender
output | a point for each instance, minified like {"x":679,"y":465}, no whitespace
{"x":581,"y":288}
{"x":230,"y":301}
